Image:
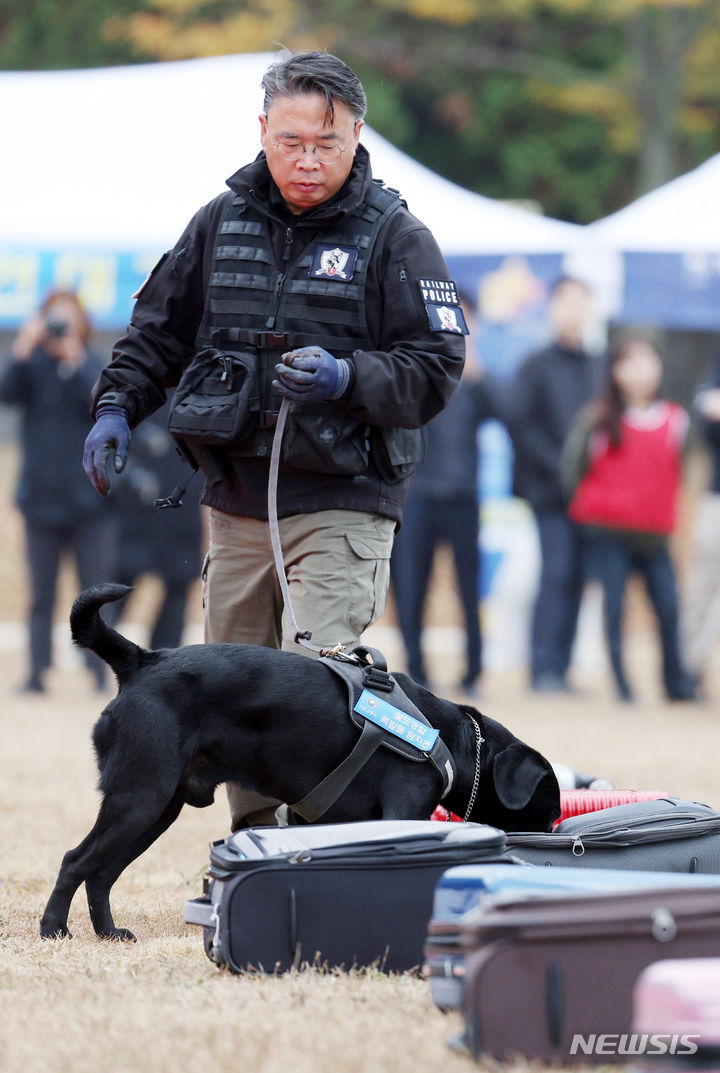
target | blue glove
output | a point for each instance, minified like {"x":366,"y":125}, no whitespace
{"x":108,"y":438}
{"x":310,"y":373}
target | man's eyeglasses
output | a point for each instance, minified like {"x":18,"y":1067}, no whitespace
{"x":324,"y":154}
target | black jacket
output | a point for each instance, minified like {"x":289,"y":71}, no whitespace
{"x":52,"y":488}
{"x":449,"y":467}
{"x":403,"y":382}
{"x":549,"y":389}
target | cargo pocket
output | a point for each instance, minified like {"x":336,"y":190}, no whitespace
{"x":214,"y":402}
{"x":320,"y":439}
{"x":396,"y":452}
{"x":368,"y":574}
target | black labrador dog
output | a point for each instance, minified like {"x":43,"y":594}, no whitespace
{"x":187,"y":719}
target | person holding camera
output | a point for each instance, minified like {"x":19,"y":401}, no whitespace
{"x":48,"y":378}
{"x":309,"y":281}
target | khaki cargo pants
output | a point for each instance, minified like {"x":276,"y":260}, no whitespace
{"x":337,"y":564}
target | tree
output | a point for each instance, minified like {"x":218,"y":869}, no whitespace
{"x":38,"y":35}
{"x":578,"y":105}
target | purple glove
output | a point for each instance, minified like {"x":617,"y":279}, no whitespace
{"x":310,"y":373}
{"x":108,"y":438}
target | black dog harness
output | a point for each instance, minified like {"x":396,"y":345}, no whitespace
{"x":385,"y":716}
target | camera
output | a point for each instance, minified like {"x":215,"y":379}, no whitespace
{"x":56,"y":328}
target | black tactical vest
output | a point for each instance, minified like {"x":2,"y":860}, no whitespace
{"x":318,"y":299}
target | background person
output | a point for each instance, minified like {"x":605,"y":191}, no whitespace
{"x":624,"y":457}
{"x":549,"y":388}
{"x":443,"y":507}
{"x":308,"y":281}
{"x":48,"y":379}
{"x":700,"y":609}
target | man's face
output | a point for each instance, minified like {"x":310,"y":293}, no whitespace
{"x":302,"y":121}
{"x":570,"y":310}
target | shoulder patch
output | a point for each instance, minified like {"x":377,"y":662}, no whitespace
{"x":442,"y":305}
{"x":334,"y":262}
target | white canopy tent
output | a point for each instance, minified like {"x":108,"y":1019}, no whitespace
{"x":124,"y":155}
{"x":668,"y":246}
{"x":116,"y":161}
{"x":682,"y":217}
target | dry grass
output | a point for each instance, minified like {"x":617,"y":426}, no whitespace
{"x":159,"y":1006}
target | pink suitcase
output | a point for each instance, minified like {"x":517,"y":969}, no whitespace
{"x":676,"y":1006}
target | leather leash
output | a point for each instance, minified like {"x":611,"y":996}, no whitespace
{"x":321,"y":797}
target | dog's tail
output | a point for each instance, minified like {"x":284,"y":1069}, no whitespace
{"x":90,"y":631}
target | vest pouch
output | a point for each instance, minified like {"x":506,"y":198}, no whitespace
{"x":318,"y":437}
{"x":396,"y":452}
{"x":216,"y":399}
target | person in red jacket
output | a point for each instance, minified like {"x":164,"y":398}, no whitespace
{"x":623,"y":462}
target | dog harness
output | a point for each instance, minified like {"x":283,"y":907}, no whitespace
{"x":386,"y":716}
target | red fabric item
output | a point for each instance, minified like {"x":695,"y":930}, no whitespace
{"x":577,"y":802}
{"x":634,"y":485}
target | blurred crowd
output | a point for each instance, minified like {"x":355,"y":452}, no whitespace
{"x":598,"y":455}
{"x":51,"y":370}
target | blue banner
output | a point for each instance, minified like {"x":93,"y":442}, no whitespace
{"x":675,"y":290}
{"x":104,"y":279}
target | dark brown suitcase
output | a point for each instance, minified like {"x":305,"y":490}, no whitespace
{"x":553,"y":979}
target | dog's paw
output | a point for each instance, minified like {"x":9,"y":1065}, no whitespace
{"x":118,"y":935}
{"x":54,"y":931}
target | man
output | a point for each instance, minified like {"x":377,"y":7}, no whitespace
{"x":443,"y":507}
{"x":549,"y":388}
{"x":314,"y":283}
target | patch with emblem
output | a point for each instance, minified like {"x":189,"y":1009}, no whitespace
{"x":442,"y":305}
{"x":334,"y":262}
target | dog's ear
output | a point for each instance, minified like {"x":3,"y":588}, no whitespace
{"x":517,"y":771}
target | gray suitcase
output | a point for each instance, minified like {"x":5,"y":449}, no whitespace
{"x":344,"y":894}
{"x":664,"y":835}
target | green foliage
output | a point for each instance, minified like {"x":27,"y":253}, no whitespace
{"x":38,"y":35}
{"x":575,"y":104}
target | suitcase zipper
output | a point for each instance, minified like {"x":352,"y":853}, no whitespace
{"x":630,"y":834}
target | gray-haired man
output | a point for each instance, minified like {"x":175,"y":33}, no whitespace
{"x":317,"y":283}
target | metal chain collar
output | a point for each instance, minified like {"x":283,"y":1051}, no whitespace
{"x":479,"y":739}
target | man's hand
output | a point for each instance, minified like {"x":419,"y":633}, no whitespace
{"x":310,"y":373}
{"x":108,"y":438}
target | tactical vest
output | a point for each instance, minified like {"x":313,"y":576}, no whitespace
{"x":316,"y":298}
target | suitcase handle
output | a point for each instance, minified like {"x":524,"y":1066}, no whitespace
{"x":200,"y":911}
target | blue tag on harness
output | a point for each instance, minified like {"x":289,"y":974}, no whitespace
{"x":398,"y":723}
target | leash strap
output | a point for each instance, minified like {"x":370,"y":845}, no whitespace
{"x":318,"y":801}
{"x":302,"y":637}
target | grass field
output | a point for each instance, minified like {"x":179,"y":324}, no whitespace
{"x":159,"y":1006}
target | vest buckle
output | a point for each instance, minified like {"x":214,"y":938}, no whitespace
{"x":267,"y":419}
{"x":271,"y":340}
